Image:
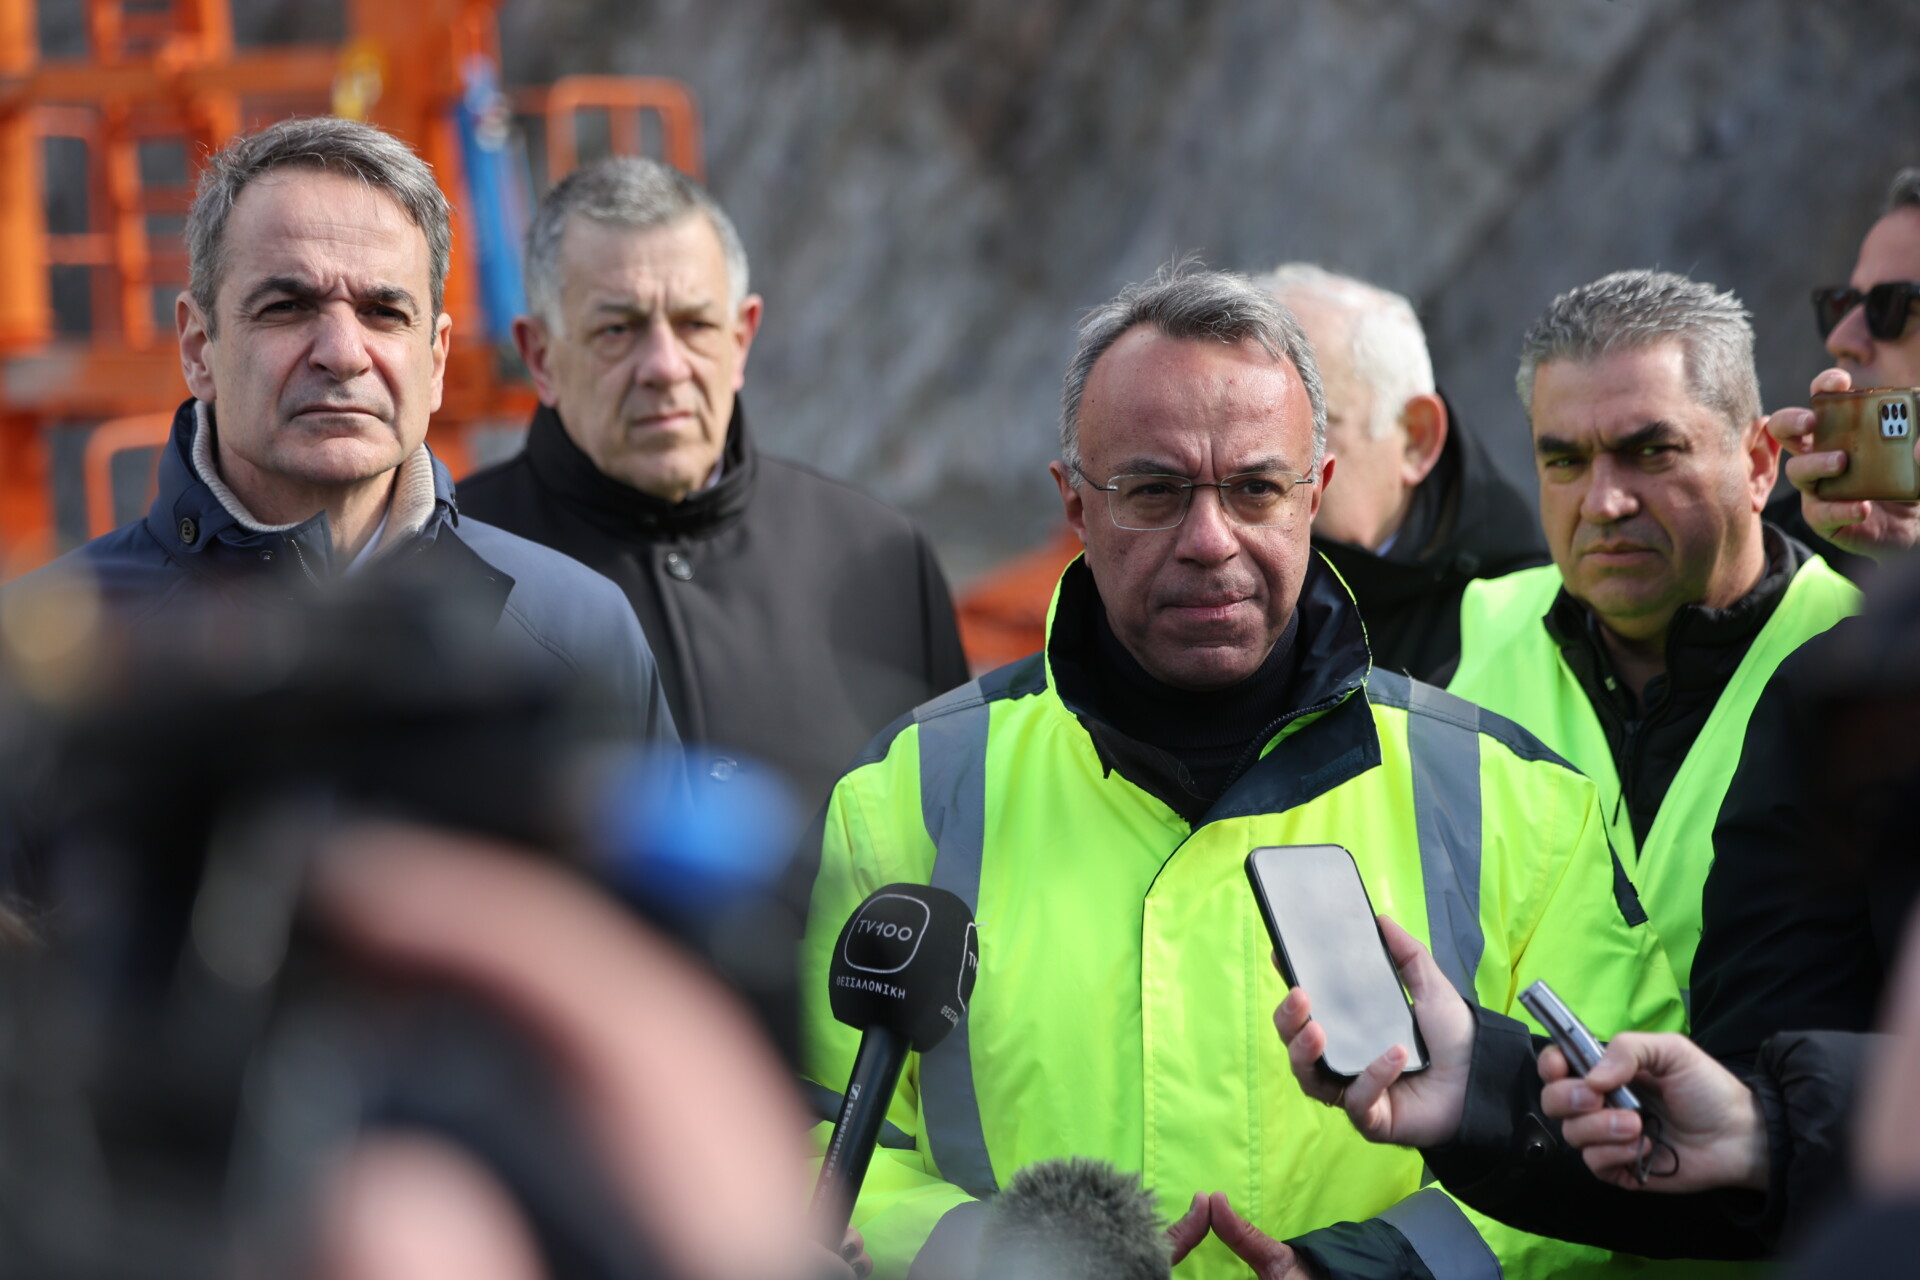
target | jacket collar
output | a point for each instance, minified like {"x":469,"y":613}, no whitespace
{"x":1467,"y":521}
{"x":1701,"y":641}
{"x":195,"y":515}
{"x":1334,"y":664}
{"x":560,"y":466}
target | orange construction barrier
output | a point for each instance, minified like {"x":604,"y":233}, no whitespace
{"x":86,"y":304}
{"x":108,"y":441}
{"x":1003,"y":613}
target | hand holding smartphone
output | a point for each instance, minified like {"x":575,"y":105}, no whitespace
{"x":1876,"y":429}
{"x":1328,"y":943}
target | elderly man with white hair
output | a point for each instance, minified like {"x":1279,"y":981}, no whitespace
{"x":1419,"y":510}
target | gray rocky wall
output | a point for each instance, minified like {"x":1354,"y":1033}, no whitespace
{"x":934,"y":190}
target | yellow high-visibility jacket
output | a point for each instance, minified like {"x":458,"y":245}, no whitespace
{"x":1510,"y":664}
{"x":1125,"y":996}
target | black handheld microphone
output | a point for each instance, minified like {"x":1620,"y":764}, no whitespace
{"x":902,"y":973}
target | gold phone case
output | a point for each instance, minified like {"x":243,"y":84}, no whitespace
{"x":1876,"y":430}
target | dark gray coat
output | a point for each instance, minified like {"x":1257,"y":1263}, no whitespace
{"x":553,"y":612}
{"x":794,"y":616}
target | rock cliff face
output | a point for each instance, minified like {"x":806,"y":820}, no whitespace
{"x":933,"y":191}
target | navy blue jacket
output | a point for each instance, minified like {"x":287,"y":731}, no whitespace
{"x":553,"y":610}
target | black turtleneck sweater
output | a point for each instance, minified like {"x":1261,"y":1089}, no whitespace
{"x":1651,"y":737}
{"x":1210,"y":733}
{"x":793,"y":617}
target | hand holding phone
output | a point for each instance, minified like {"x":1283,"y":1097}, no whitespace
{"x":1582,"y":1050}
{"x":1876,"y":429}
{"x":1328,"y":943}
{"x":1385,"y":1104}
{"x":1878,"y":529}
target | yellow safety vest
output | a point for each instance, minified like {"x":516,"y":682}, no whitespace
{"x":1510,"y":664}
{"x":1125,"y":997}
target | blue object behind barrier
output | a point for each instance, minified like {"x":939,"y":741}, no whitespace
{"x":495,"y":208}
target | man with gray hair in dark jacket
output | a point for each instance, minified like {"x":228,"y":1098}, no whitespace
{"x":794,"y":616}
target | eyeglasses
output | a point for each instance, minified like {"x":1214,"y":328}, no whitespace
{"x":1147,"y":503}
{"x":1888,"y":306}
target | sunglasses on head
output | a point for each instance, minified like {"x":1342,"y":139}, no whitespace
{"x":1887,"y":307}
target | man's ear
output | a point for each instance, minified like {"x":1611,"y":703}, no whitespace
{"x":1424,"y":420}
{"x":535,"y":344}
{"x":1317,"y":491}
{"x":745,"y":324}
{"x":1763,"y":463}
{"x":1076,"y":509}
{"x":442,"y":339}
{"x":194,"y":340}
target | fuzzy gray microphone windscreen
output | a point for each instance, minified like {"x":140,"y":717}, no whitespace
{"x":1073,"y":1220}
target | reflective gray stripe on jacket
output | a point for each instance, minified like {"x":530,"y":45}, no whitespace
{"x":1443,"y":735}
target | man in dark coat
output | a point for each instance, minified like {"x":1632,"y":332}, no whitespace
{"x":314,"y":342}
{"x":1419,"y":509}
{"x":793,"y":616}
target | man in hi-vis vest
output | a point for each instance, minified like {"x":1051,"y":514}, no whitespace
{"x":1205,"y":690}
{"x":1639,"y":653}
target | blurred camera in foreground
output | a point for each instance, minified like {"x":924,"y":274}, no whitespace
{"x":343,"y":946}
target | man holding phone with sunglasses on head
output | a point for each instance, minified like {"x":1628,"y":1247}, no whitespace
{"x":1873,"y":334}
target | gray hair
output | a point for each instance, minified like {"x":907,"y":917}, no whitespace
{"x":374,"y":156}
{"x":1633,"y":310}
{"x":1389,"y":348}
{"x":1903,"y":192}
{"x":1184,"y":300}
{"x":623,"y":191}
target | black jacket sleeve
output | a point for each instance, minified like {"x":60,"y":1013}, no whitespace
{"x":946,"y":660}
{"x":1788,"y":939}
{"x":1871,"y":1238}
{"x":1509,"y":1162}
{"x":1806,"y":1083}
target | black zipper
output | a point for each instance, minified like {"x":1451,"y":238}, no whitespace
{"x":1606,"y":706}
{"x":1268,"y":734}
{"x":1625,"y":770}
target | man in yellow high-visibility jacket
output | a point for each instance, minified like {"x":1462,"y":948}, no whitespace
{"x":1205,"y":689}
{"x":1639,"y":653}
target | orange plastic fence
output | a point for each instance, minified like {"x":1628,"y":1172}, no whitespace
{"x":108,"y":441}
{"x":169,"y":72}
